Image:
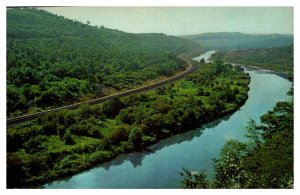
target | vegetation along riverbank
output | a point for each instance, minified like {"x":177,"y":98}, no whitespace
{"x":61,"y":144}
{"x":276,"y":59}
{"x":265,"y":160}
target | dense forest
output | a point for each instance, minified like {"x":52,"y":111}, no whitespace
{"x":264,"y":161}
{"x":236,"y":40}
{"x":53,"y":61}
{"x":277,"y":59}
{"x":60,"y":144}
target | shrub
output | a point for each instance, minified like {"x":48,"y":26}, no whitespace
{"x":35,"y":144}
{"x":68,"y":138}
{"x":135,"y":138}
{"x":95,"y":132}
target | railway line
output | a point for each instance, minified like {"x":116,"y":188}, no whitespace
{"x":190,"y":68}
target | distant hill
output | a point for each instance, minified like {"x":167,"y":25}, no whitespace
{"x":236,"y":40}
{"x":277,"y":59}
{"x":52,"y":60}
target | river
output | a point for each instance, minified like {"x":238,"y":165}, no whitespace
{"x":159,"y":166}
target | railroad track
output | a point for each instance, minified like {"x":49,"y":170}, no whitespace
{"x":191,"y":68}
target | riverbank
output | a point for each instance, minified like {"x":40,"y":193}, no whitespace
{"x":278,"y":60}
{"x":271,"y":141}
{"x":281,"y":74}
{"x":62,"y":144}
{"x":158,"y":167}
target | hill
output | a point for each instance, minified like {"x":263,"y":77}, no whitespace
{"x":277,"y":59}
{"x":236,"y":40}
{"x":53,"y":61}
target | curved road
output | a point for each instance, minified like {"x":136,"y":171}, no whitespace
{"x":191,"y":68}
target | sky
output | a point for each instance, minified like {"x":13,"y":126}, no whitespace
{"x":185,"y":20}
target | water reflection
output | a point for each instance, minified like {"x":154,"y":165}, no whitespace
{"x":136,"y":158}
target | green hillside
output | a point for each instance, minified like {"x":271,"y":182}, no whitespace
{"x":53,"y":61}
{"x":236,"y":40}
{"x":277,"y":59}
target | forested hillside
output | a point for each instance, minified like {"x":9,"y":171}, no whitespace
{"x":236,"y":40}
{"x":277,"y":59}
{"x":53,"y":61}
{"x":62,"y":143}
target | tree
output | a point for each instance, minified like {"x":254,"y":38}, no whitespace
{"x":68,"y":138}
{"x":161,"y":90}
{"x":12,"y":97}
{"x":135,"y":138}
{"x":202,"y":61}
{"x":37,"y":164}
{"x":35,"y":144}
{"x":228,"y":170}
{"x":219,"y":66}
{"x":200,"y":91}
{"x":194,"y":179}
{"x":15,"y":171}
{"x":95,"y":132}
{"x":119,"y":134}
{"x":112,"y":107}
{"x":253,"y":134}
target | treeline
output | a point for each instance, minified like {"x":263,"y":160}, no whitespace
{"x":53,"y":61}
{"x":277,"y":59}
{"x":265,"y":161}
{"x":63,"y":143}
{"x":235,"y":40}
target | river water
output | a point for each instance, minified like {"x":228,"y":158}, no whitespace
{"x":205,"y":56}
{"x":159,"y":166}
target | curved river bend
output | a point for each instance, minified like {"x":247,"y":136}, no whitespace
{"x":159,"y":167}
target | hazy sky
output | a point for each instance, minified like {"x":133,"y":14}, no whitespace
{"x":185,"y":20}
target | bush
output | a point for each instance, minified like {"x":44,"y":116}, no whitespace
{"x":15,"y":171}
{"x":148,"y":140}
{"x":68,"y":138}
{"x":37,"y":165}
{"x":135,"y":138}
{"x":35,"y":144}
{"x":95,"y":132}
{"x":120,"y":134}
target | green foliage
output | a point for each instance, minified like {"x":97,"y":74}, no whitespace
{"x":95,"y":132}
{"x":265,"y":161}
{"x":202,"y":61}
{"x":53,"y":61}
{"x":253,"y":134}
{"x":68,"y":138}
{"x":36,"y":165}
{"x":228,"y":170}
{"x":15,"y":171}
{"x":236,"y":40}
{"x":68,"y":141}
{"x":121,"y":133}
{"x":277,"y":59}
{"x":35,"y":144}
{"x":112,"y":107}
{"x":194,"y":179}
{"x":135,"y":138}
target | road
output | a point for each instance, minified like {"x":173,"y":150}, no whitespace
{"x":191,"y":68}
